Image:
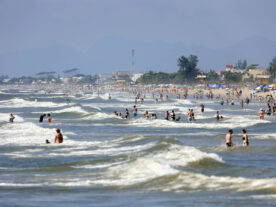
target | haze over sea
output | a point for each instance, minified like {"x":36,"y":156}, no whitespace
{"x":108,"y":161}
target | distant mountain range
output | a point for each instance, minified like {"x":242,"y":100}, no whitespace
{"x":114,"y":54}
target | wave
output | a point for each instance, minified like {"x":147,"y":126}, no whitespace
{"x":100,"y":116}
{"x":25,"y":133}
{"x":5,"y":117}
{"x":154,"y":165}
{"x":230,"y":123}
{"x":19,"y":103}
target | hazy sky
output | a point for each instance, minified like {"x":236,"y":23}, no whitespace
{"x":27,"y":24}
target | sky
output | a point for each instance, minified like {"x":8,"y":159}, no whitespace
{"x":27,"y":25}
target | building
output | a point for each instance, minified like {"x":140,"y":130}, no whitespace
{"x":230,"y":68}
{"x":261,"y":75}
{"x":136,"y":76}
{"x":106,"y":78}
{"x":122,"y":75}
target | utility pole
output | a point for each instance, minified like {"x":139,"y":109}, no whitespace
{"x":132,"y":62}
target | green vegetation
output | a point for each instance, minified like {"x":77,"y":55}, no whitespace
{"x":187,"y":73}
{"x":272,"y":68}
{"x":212,"y":76}
{"x":241,"y":64}
{"x":230,"y":77}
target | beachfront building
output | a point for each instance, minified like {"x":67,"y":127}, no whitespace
{"x":230,"y":68}
{"x":122,"y":75}
{"x":136,"y":76}
{"x":261,"y":75}
{"x":201,"y":78}
{"x":106,"y":78}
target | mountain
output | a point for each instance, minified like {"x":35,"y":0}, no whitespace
{"x":111,"y":54}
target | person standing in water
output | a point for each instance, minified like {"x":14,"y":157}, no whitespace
{"x":146,"y":115}
{"x":228,"y":138}
{"x":167,"y":115}
{"x":134,"y":110}
{"x":261,"y":113}
{"x":202,"y":107}
{"x":244,"y":138}
{"x":58,"y":137}
{"x":11,"y":117}
{"x":42,"y":117}
{"x":49,"y":118}
{"x":217,"y":116}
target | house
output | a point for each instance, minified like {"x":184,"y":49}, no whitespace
{"x":103,"y":78}
{"x":122,"y":75}
{"x":230,"y":68}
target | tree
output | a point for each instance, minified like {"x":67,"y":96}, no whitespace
{"x":188,"y":67}
{"x":241,"y":64}
{"x":212,"y":76}
{"x":232,"y":77}
{"x":272,"y":68}
{"x":252,"y":66}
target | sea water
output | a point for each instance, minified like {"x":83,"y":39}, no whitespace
{"x":109,"y":161}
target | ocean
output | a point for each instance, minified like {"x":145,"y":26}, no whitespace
{"x":109,"y":161}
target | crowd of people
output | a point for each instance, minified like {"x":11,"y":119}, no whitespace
{"x":171,"y":116}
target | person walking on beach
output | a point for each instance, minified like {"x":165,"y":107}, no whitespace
{"x":244,"y":138}
{"x":228,"y":139}
{"x":58,"y":137}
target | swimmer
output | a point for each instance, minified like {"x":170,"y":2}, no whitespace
{"x":190,"y":115}
{"x":154,"y":116}
{"x":146,"y":115}
{"x":244,"y":138}
{"x":221,"y":118}
{"x":172,"y":115}
{"x":228,"y":138}
{"x":167,"y":115}
{"x":109,"y":97}
{"x":134,"y":110}
{"x":115,"y":113}
{"x":120,"y":115}
{"x":178,"y":118}
{"x":58,"y":137}
{"x":49,"y":118}
{"x":47,"y":141}
{"x":127,"y":114}
{"x":202,"y":107}
{"x":217,"y":116}
{"x":193,"y":114}
{"x":11,"y":117}
{"x":42,"y":117}
{"x":261,"y":113}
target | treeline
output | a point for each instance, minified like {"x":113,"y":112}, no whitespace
{"x":188,"y":72}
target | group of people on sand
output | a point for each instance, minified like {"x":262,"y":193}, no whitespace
{"x":228,"y":138}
